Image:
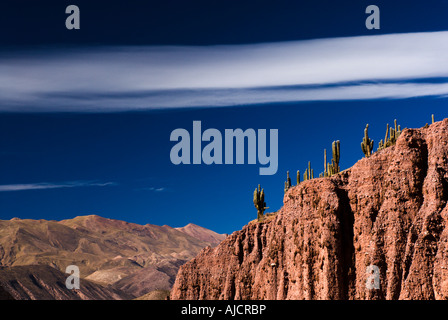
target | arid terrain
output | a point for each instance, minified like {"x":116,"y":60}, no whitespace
{"x":388,"y":211}
{"x":117,"y":259}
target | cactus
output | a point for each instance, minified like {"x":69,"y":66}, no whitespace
{"x":392,"y":135}
{"x":298,"y":177}
{"x":259,"y":203}
{"x":381,"y":145}
{"x":386,"y":138}
{"x":309,"y":173}
{"x":325,"y":163}
{"x":432,"y":118}
{"x":336,"y":155}
{"x":333,"y":167}
{"x":367,"y":143}
{"x":287,"y":182}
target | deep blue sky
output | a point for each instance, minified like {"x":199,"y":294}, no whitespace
{"x":125,"y":156}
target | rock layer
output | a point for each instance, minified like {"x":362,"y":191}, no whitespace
{"x":388,"y":211}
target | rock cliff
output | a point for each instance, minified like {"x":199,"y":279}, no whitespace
{"x":388,"y":213}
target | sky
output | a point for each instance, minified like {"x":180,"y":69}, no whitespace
{"x":86,"y":115}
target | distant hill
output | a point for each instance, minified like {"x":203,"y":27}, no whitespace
{"x":109,"y":252}
{"x":155,"y":295}
{"x":202,"y":233}
{"x":40,"y":282}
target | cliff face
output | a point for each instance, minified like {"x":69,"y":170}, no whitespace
{"x":387,"y":211}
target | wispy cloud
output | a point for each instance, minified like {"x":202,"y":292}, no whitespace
{"x":49,"y":185}
{"x":109,"y":79}
{"x":157,"y":189}
{"x":154,"y":189}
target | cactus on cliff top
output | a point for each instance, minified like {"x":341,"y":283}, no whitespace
{"x":287,"y":182}
{"x":367,"y":143}
{"x":392,"y":135}
{"x":325,"y":174}
{"x":333,"y":167}
{"x":336,"y":146}
{"x":309,"y":173}
{"x":259,"y":203}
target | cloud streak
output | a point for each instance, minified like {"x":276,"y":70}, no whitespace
{"x":154,"y":189}
{"x":48,"y":185}
{"x":110,"y":79}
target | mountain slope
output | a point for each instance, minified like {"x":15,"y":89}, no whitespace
{"x":388,"y":213}
{"x":46,"y":283}
{"x":105,"y":250}
{"x":201,"y":233}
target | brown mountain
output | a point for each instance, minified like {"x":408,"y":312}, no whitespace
{"x":202,"y":233}
{"x":40,"y":282}
{"x":105,"y":250}
{"x":375,"y":231}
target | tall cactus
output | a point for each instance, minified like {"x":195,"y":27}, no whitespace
{"x":392,"y":135}
{"x":287,"y":182}
{"x":336,"y":146}
{"x":325,"y":174}
{"x":367,"y":143}
{"x":309,"y":173}
{"x":333,"y":167}
{"x":298,"y":177}
{"x":259,"y":203}
{"x":386,"y":139}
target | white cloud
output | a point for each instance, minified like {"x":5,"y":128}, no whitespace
{"x":157,"y":189}
{"x":47,"y":185}
{"x":153,"y":189}
{"x":128,"y":78}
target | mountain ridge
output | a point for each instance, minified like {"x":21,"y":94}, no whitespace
{"x":107,"y":251}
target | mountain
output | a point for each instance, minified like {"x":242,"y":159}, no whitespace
{"x":159,"y":276}
{"x":155,"y":295}
{"x":377,"y":230}
{"x":106,"y":251}
{"x":40,"y":282}
{"x":201,"y":233}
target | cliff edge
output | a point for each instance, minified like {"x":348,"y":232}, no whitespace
{"x":388,"y":211}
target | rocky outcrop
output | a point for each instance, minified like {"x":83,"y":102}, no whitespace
{"x":387,"y":214}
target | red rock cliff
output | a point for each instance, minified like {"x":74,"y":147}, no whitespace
{"x":388,"y":210}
